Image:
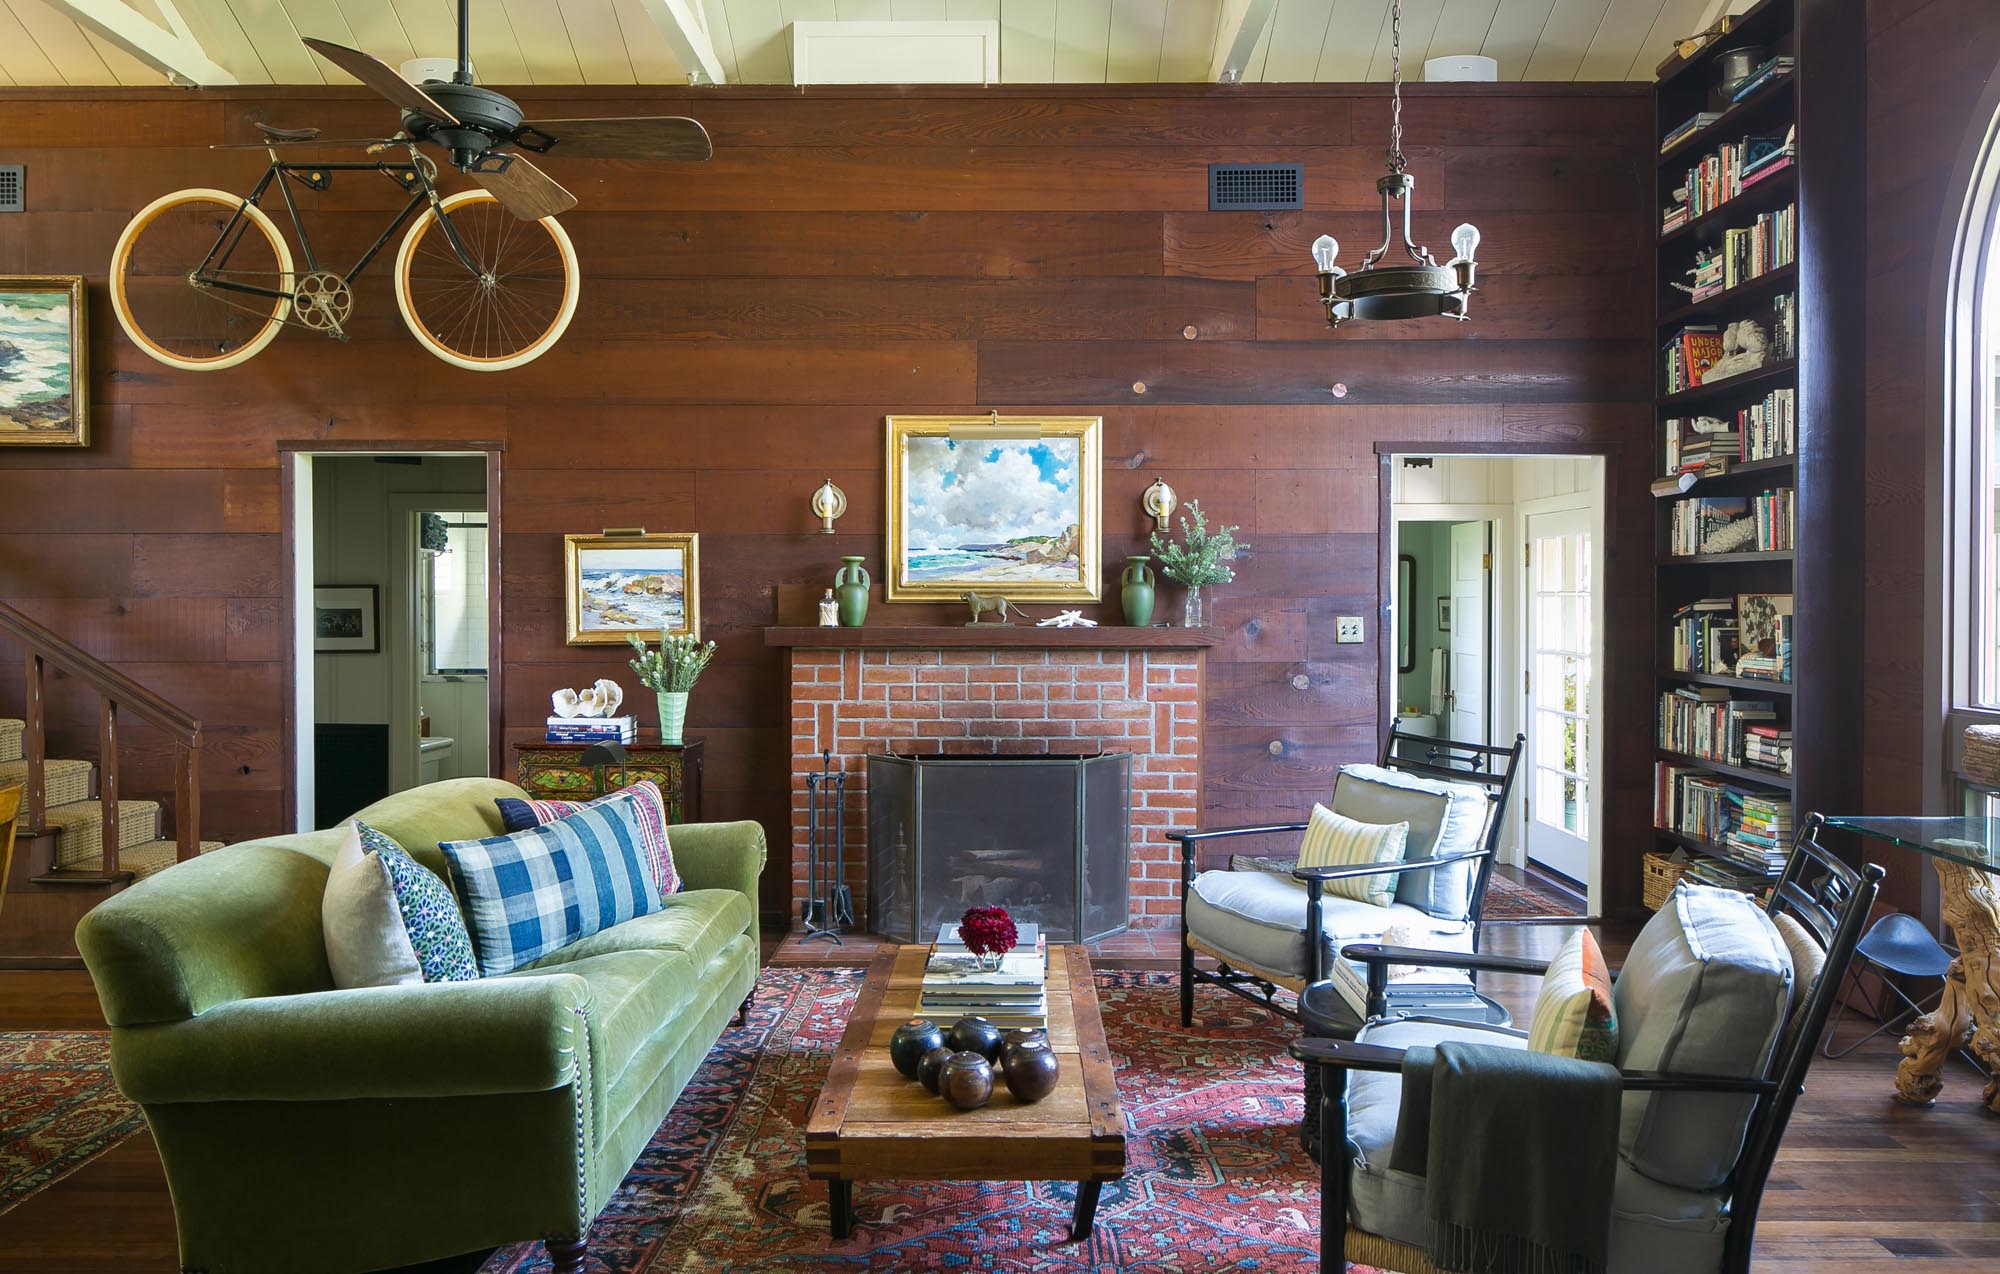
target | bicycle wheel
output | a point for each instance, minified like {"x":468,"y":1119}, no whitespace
{"x":175,"y":271}
{"x":512,"y":309}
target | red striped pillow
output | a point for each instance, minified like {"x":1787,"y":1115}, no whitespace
{"x":649,"y":811}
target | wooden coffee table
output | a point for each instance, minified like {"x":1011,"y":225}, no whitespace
{"x":871,"y":1123}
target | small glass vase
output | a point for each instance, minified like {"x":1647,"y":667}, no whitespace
{"x":673,"y":715}
{"x":990,"y":960}
{"x":1194,"y":608}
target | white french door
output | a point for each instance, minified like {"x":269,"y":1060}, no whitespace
{"x":1470,"y":634}
{"x":1560,"y":678}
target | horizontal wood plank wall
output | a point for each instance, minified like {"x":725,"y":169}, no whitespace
{"x":746,"y":324}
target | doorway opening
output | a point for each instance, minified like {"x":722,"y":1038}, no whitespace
{"x":394,"y":657}
{"x":1497,"y":611}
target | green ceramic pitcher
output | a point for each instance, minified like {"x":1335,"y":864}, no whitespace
{"x":850,"y":589}
{"x":1138,"y":594}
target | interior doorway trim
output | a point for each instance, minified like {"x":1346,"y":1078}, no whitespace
{"x":289,"y":455}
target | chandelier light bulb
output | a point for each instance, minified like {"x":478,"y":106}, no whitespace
{"x":1326,"y":250}
{"x":1465,"y":241}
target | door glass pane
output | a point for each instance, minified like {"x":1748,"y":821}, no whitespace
{"x":456,"y":596}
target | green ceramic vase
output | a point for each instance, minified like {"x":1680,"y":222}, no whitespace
{"x":1139,"y":592}
{"x":673,"y":714}
{"x":850,"y":589}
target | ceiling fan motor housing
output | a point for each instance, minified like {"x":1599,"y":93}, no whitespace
{"x":485,"y":119}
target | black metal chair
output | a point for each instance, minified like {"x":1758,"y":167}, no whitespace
{"x":1830,"y":902}
{"x":1896,"y":945}
{"x":1305,"y":962}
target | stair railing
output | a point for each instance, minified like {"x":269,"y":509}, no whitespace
{"x":116,"y":692}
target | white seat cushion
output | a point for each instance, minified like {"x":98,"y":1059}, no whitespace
{"x":1444,"y":818}
{"x":1257,"y":920}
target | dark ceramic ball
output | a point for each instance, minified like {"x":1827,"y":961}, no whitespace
{"x":911,"y":1041}
{"x":1031,"y":1070}
{"x":1020,"y":1036}
{"x":967,"y":1080}
{"x":931,"y":1066}
{"x":975,"y":1035}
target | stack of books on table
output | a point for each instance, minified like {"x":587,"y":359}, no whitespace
{"x":1014,"y":995}
{"x":593,"y":730}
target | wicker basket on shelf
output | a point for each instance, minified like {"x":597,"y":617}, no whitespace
{"x":1979,"y":763}
{"x":1661,"y":874}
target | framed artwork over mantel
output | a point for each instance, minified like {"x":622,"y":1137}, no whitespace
{"x":620,"y":584}
{"x":1000,"y":505}
{"x":44,"y":365}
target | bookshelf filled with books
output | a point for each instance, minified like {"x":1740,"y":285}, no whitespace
{"x":1754,"y":483}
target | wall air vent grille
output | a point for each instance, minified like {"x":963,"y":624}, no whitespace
{"x":13,"y":188}
{"x":1240,"y":187}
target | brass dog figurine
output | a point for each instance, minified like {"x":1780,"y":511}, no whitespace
{"x":982,"y":604}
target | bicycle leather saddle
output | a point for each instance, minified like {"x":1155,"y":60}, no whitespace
{"x":286,"y":134}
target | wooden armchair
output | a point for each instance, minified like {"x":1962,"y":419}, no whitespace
{"x":1686,"y":1204}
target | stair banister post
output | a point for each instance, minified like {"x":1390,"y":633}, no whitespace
{"x":34,"y":742}
{"x":107,"y":783}
{"x":187,"y":801}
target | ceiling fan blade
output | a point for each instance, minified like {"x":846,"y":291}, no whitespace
{"x":525,"y":190}
{"x":317,"y":143}
{"x":637,"y":137}
{"x":382,"y":77}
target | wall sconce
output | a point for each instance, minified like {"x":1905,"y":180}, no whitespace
{"x":828,"y":503}
{"x":1159,"y":502}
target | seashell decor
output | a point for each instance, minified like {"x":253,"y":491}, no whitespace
{"x":600,"y":700}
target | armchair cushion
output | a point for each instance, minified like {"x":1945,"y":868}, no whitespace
{"x":1257,"y":921}
{"x":1335,"y":840}
{"x":1704,"y":991}
{"x":1444,"y":818}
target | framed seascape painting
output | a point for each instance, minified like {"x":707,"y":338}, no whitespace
{"x":44,"y":378}
{"x":623,"y":584}
{"x":1000,"y":505}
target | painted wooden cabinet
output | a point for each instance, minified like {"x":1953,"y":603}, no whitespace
{"x":555,"y":771}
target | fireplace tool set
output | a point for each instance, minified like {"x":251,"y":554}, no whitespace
{"x":828,"y":908}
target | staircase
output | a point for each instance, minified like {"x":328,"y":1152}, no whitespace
{"x":79,"y":839}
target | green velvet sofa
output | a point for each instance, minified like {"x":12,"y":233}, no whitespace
{"x":307,"y":1130}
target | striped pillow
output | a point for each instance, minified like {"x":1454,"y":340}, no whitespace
{"x":1335,"y":840}
{"x":1573,"y":1013}
{"x":650,"y":806}
{"x":533,"y":892}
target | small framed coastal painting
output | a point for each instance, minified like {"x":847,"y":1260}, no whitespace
{"x":999,"y":505}
{"x":44,"y":381}
{"x":637,"y":583}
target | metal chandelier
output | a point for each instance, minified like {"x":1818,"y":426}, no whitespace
{"x":1421,"y":289}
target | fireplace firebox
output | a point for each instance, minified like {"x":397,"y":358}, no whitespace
{"x":1043,"y":835}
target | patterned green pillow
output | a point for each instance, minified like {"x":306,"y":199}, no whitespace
{"x":1335,"y":840}
{"x":1573,"y":1013}
{"x":388,"y":919}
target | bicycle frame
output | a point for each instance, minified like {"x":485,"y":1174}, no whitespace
{"x":414,"y":176}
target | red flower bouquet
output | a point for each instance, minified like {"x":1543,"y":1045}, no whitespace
{"x":988,"y":932}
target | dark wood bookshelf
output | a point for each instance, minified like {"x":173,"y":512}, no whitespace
{"x":1818,"y":100}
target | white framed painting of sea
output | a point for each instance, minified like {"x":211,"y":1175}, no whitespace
{"x":632,"y":583}
{"x":1005,"y":506}
{"x":44,"y":384}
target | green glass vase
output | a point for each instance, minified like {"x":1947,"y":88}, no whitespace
{"x":673,"y":715}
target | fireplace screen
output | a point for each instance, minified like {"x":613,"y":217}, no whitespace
{"x":1043,"y":836}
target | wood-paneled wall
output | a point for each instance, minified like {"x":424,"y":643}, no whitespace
{"x":747,"y":323}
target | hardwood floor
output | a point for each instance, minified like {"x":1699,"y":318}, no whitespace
{"x":1863,"y":1185}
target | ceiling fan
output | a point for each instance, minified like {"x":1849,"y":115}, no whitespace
{"x":484,"y":132}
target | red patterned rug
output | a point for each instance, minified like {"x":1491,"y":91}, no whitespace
{"x":1217,"y":1179}
{"x":58,"y":1108}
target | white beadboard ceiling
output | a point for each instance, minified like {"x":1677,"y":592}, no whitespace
{"x":1066,"y":41}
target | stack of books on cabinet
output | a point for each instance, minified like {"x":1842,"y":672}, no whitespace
{"x":956,"y":984}
{"x":593,"y":730}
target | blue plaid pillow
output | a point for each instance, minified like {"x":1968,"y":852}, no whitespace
{"x":539,"y":890}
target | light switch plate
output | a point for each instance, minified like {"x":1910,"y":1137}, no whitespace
{"x":1347,"y":630}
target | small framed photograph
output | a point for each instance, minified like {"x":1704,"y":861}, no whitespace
{"x":1757,"y":616}
{"x":1444,"y":614}
{"x":638,"y":583}
{"x":344,"y":618}
{"x":44,"y":373}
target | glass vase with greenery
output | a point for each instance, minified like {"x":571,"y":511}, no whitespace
{"x":670,"y":672}
{"x":1198,"y":561}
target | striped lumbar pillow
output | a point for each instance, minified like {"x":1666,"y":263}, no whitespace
{"x":1334,"y":840}
{"x":649,"y":806}
{"x":539,"y":890}
{"x":1573,"y":1013}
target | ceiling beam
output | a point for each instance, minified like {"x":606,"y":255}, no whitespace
{"x":174,"y":52}
{"x":1236,"y":36}
{"x":687,"y":34}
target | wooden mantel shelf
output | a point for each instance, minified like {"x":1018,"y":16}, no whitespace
{"x":993,"y":636}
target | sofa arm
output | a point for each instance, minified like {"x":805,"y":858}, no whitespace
{"x":719,"y":855}
{"x":459,"y":1039}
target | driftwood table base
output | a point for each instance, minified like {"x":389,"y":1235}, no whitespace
{"x":1969,"y":1013}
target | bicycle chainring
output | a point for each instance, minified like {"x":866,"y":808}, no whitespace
{"x":322,"y":301}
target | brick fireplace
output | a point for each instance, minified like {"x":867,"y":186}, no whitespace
{"x":1004,"y":691}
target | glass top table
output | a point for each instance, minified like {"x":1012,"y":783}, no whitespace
{"x":1965,"y":852}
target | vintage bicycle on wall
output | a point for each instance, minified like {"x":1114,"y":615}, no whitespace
{"x":486,"y":279}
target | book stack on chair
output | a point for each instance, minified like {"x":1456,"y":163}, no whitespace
{"x":1014,"y":995}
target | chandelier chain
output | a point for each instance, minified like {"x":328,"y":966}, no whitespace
{"x":1396,"y":161}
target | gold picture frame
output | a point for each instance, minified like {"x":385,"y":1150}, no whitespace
{"x":1020,"y":518}
{"x":614,"y":584}
{"x":44,"y":329}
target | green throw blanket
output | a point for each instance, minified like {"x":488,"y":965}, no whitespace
{"x":1518,"y":1151}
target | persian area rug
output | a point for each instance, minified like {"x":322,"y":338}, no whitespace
{"x":1216,"y":1180}
{"x":1513,"y":900}
{"x":58,"y":1108}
